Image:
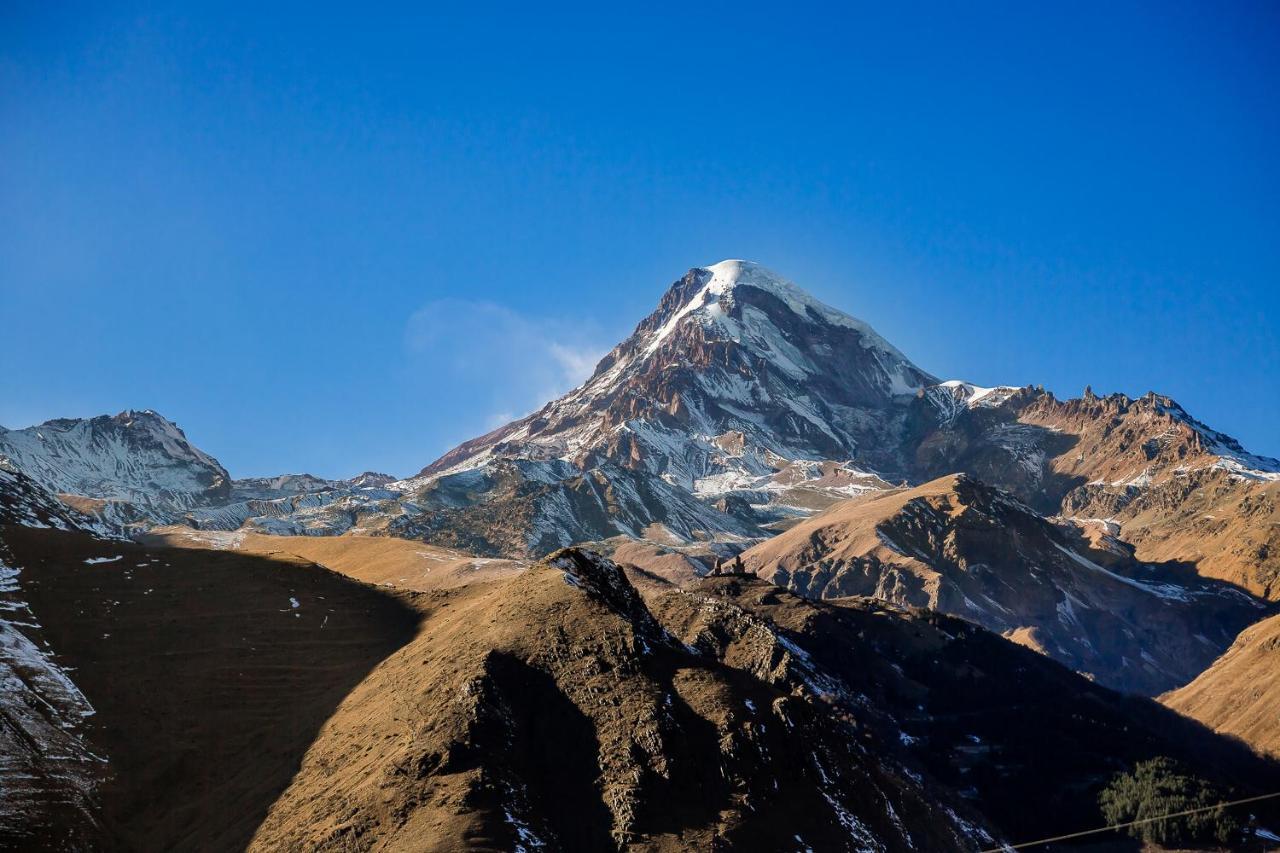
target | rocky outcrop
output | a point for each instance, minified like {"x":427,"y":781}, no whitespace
{"x":1023,"y":739}
{"x":25,"y":502}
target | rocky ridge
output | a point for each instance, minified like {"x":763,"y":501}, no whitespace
{"x":961,"y":547}
{"x":1143,"y":469}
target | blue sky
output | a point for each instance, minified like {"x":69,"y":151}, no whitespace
{"x":331,"y":238}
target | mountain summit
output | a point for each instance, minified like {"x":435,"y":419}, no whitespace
{"x":736,"y":371}
{"x":740,"y":389}
{"x":734,"y":355}
{"x":136,"y":466}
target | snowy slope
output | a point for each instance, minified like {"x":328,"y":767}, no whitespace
{"x":46,"y":768}
{"x":290,"y":485}
{"x":25,"y":502}
{"x":137,"y":470}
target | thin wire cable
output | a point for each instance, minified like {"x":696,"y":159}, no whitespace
{"x":1040,"y":841}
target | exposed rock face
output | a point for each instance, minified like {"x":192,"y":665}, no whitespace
{"x":961,"y":547}
{"x":284,"y":486}
{"x":519,"y":506}
{"x":49,"y":774}
{"x":1240,"y":693}
{"x":370,"y":480}
{"x":301,"y":505}
{"x":134,"y":467}
{"x":291,"y":485}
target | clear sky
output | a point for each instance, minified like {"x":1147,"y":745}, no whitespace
{"x":328,"y":238}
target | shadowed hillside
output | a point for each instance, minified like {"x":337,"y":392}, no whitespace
{"x":210,"y":674}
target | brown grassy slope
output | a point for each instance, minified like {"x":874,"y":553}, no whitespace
{"x":962,"y":547}
{"x":551,"y":708}
{"x":1240,"y":694}
{"x":208,"y":684}
{"x":847,"y":531}
{"x":377,"y":560}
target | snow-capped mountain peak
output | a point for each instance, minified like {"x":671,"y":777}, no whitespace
{"x":730,"y":348}
{"x":710,"y":297}
{"x":741,"y":316}
{"x":739,"y":382}
{"x":137,"y":463}
{"x":729,"y":275}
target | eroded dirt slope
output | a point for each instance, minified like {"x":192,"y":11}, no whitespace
{"x":380,"y":560}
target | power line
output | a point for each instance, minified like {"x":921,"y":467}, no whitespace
{"x":1040,"y":841}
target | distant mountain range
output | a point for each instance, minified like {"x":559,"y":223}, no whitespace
{"x":738,"y":406}
{"x":787,"y":540}
{"x":741,"y":407}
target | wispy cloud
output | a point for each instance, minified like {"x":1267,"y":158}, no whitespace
{"x":498,"y":419}
{"x":510,"y":363}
